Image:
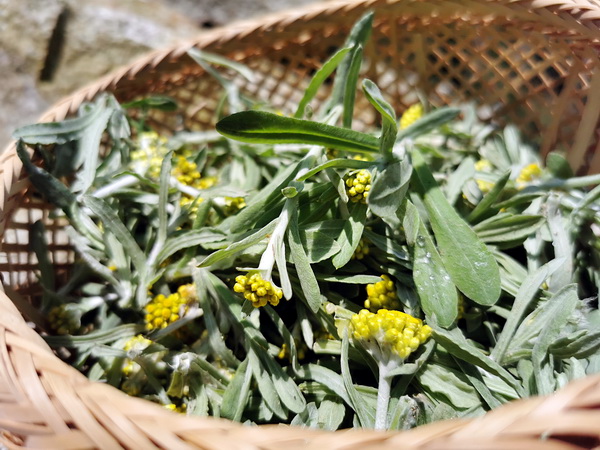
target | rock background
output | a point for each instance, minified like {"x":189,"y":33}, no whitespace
{"x":50,"y":48}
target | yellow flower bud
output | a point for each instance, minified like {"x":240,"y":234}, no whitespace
{"x":256,"y":290}
{"x":391,"y":331}
{"x":382,"y":295}
{"x":411,"y":115}
{"x":164,"y":310}
{"x":358,"y":185}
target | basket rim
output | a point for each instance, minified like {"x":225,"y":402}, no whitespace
{"x":447,"y":434}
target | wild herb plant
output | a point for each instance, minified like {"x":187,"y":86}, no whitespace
{"x":291,"y":269}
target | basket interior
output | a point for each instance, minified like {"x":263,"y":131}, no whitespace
{"x":517,"y":65}
{"x":515,"y":69}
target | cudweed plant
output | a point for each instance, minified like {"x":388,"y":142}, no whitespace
{"x":238,"y":272}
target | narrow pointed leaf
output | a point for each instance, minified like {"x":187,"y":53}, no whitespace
{"x":267,"y":128}
{"x":318,"y":79}
{"x":356,"y":58}
{"x":389,"y":128}
{"x":359,"y":35}
{"x":389,"y":188}
{"x":484,"y":206}
{"x":427,"y":123}
{"x":308,"y":281}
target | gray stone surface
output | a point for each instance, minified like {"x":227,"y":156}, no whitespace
{"x":207,"y":13}
{"x":50,"y":48}
{"x":23,"y":44}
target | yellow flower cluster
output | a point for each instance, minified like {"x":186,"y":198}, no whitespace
{"x":284,"y":352}
{"x":256,"y":290}
{"x":150,"y":152}
{"x":528,"y":174}
{"x":190,"y":203}
{"x":332,"y":153}
{"x":362,"y":250}
{"x":234,"y":204}
{"x":137,"y":344}
{"x":163,"y":310}
{"x":64,"y":320}
{"x":177,"y":408}
{"x":394,"y":330}
{"x":411,"y":115}
{"x":382,"y":295}
{"x":186,"y":172}
{"x":358,"y":185}
{"x":483,"y":165}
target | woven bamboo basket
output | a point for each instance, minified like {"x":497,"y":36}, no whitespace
{"x":531,"y":62}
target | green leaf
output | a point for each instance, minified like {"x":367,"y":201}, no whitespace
{"x":457,"y":179}
{"x":308,"y":281}
{"x":350,"y":279}
{"x":215,"y":335}
{"x":50,"y":187}
{"x":89,"y":149}
{"x":339,"y":163}
{"x":427,"y":123}
{"x":269,"y":195}
{"x":485,"y":205}
{"x":477,"y":381}
{"x":562,"y":243}
{"x":112,"y":222}
{"x":319,"y":245}
{"x":365,"y":415}
{"x":188,"y":239}
{"x":163,"y":218}
{"x":389,"y":127}
{"x":95,"y":337}
{"x":457,"y":345}
{"x":63,"y":131}
{"x":318,"y":79}
{"x":467,"y":259}
{"x":508,"y":230}
{"x":331,"y":415}
{"x":327,"y":377}
{"x":581,"y":344}
{"x":267,"y":128}
{"x":389,"y":188}
{"x":351,"y":234}
{"x":356,"y":58}
{"x":158,"y":102}
{"x":558,"y":165}
{"x":392,"y":249}
{"x":359,"y":35}
{"x":411,"y":222}
{"x":450,"y":384}
{"x":218,"y":60}
{"x":307,"y":418}
{"x":286,"y":388}
{"x":522,"y":300}
{"x":253,"y":239}
{"x":39,"y":244}
{"x":562,"y":305}
{"x":265,"y":384}
{"x":439,"y":299}
{"x":87,"y":255}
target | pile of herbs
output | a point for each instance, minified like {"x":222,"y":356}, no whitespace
{"x":496,"y":254}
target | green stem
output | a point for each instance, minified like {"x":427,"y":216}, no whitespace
{"x":383,"y":394}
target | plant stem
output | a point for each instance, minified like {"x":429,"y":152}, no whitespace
{"x":383,"y":395}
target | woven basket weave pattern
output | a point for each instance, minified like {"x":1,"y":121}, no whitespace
{"x":534,"y":63}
